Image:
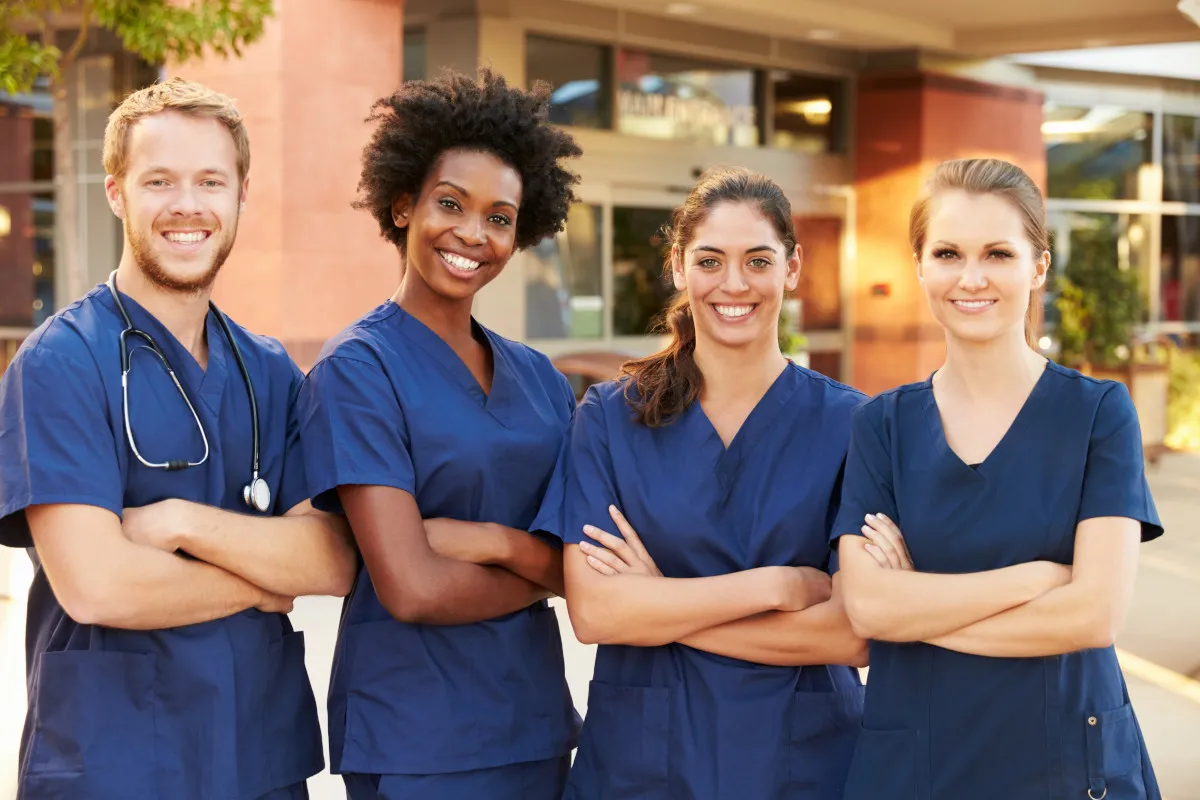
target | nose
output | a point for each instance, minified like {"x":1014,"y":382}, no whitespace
{"x":973,"y":278}
{"x":186,"y":201}
{"x":470,"y":231}
{"x":735,"y":280}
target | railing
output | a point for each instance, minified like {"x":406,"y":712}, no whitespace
{"x":10,"y":342}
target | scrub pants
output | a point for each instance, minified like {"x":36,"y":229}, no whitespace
{"x":534,"y":780}
{"x":297,"y":791}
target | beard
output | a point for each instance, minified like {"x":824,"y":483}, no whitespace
{"x":143,"y":255}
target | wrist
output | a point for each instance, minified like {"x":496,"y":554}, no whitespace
{"x":181,"y":533}
{"x":502,"y":544}
{"x":778,"y":588}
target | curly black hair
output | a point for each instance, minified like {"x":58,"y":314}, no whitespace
{"x":424,"y":119}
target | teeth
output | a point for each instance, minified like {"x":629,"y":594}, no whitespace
{"x":458,"y":262}
{"x":733,"y":311}
{"x":190,"y":237}
{"x":973,"y":303}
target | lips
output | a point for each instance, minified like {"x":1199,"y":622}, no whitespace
{"x":460,"y":263}
{"x":734,"y":312}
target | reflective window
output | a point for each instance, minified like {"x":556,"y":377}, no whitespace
{"x":1096,"y":153}
{"x":1180,"y":281}
{"x":26,"y":258}
{"x":580,"y":76}
{"x":640,"y":290}
{"x":563,"y":281}
{"x":27,"y":134}
{"x":667,"y":97}
{"x":1181,"y":159}
{"x":809,"y":113}
{"x":414,"y":53}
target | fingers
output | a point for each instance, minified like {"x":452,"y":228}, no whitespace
{"x":603,"y":561}
{"x":898,"y":539}
{"x":884,"y":534}
{"x":614,"y":543}
{"x":627,"y":531}
{"x":880,"y":557}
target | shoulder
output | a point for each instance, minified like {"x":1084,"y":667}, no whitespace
{"x":266,"y":351}
{"x":69,"y":341}
{"x":1084,"y":392}
{"x":885,"y":406}
{"x":360,"y":340}
{"x":828,"y":391}
{"x":609,"y":395}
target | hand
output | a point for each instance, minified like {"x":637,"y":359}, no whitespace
{"x":885,"y":543}
{"x":799,"y":588}
{"x":160,"y":525}
{"x":474,"y":542}
{"x":274,"y":603}
{"x":616,"y":555}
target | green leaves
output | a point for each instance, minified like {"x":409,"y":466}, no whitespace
{"x":156,"y":30}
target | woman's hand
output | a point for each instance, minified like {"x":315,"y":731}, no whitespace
{"x":886,"y":543}
{"x":617,"y":555}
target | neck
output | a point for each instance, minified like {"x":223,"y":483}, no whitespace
{"x":182,"y":313}
{"x":449,"y":319}
{"x":994,"y":368}
{"x":738,"y":372}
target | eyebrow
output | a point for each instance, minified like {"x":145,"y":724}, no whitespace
{"x":998,"y":243}
{"x":465,"y":193}
{"x":707,"y":248}
{"x":155,"y":170}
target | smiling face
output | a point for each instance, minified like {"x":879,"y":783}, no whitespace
{"x":180,"y":198}
{"x":462,"y":227}
{"x":978,"y":267}
{"x":735,"y":270}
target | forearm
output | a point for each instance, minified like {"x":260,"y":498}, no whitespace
{"x":905,"y":606}
{"x":651,"y":611}
{"x":302,"y":554}
{"x":817,"y":635}
{"x":534,"y":560}
{"x":149,"y":589}
{"x":444,"y":591}
{"x":1063,"y":620}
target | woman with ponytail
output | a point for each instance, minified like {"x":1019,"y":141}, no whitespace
{"x":1020,"y":490}
{"x":695,"y":496}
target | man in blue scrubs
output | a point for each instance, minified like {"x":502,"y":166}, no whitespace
{"x":168,"y":522}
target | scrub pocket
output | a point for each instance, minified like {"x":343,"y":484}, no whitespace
{"x":623,"y":750}
{"x":93,"y":726}
{"x":884,"y":765}
{"x":1114,"y":756}
{"x":824,"y":730}
{"x":292,"y":730}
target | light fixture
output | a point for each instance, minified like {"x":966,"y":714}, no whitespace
{"x":1190,"y":9}
{"x":1045,"y":342}
{"x":823,"y":35}
{"x":682,"y":9}
{"x":5,"y":221}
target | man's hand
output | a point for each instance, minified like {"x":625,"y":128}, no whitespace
{"x":160,"y":525}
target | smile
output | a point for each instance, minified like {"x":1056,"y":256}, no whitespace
{"x":186,"y":237}
{"x":732,"y":312}
{"x":459,"y":263}
{"x":973,"y":305}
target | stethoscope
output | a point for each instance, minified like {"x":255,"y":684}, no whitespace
{"x":255,"y":494}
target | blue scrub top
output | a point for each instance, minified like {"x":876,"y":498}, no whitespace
{"x":389,"y":403}
{"x":946,"y":725}
{"x":672,"y":721}
{"x":217,"y":709}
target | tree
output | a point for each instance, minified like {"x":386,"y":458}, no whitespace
{"x":156,"y":30}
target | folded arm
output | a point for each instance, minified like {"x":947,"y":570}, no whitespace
{"x":820,"y":634}
{"x":416,"y":584}
{"x":1087,"y":612}
{"x":304,"y":552}
{"x":102,"y":578}
{"x":491,"y":544}
{"x":902,"y":605}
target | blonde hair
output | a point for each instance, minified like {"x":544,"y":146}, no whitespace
{"x":178,"y":95}
{"x":995,"y":177}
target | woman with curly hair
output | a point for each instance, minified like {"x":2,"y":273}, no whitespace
{"x":437,"y":438}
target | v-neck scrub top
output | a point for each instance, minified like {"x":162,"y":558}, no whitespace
{"x":672,"y":721}
{"x":944,"y":725}
{"x":389,"y":403}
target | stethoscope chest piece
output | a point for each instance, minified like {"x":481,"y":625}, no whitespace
{"x":257,"y":495}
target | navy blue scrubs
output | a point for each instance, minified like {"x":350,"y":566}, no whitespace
{"x":943,"y":725}
{"x":671,"y":721}
{"x":440,"y":711}
{"x":218,"y":709}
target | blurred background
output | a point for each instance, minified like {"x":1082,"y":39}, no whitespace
{"x":846,"y":103}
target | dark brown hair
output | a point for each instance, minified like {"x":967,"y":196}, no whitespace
{"x":989,"y":176}
{"x":660,"y":387}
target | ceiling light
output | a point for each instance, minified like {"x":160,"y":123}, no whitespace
{"x":823,"y":35}
{"x":682,"y":8}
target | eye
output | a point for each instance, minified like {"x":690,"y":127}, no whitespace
{"x":945,"y":253}
{"x":1001,"y":254}
{"x":501,"y":220}
{"x":450,"y":203}
{"x":760,"y":263}
{"x":708,"y":263}
{"x":156,"y":183}
{"x":212,"y":183}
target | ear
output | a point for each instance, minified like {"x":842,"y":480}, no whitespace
{"x":920,"y":268}
{"x":401,"y":207}
{"x":794,"y":263}
{"x":116,"y":200}
{"x":245,"y":193}
{"x":1041,"y":270}
{"x":677,"y":271}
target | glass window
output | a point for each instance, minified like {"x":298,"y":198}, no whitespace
{"x":1085,"y":241}
{"x":1181,"y":159}
{"x":809,"y":113}
{"x":1096,"y":153}
{"x":581,"y":77}
{"x":640,"y":291}
{"x":27,"y":131}
{"x":26,"y":258}
{"x":666,"y":97}
{"x":563,"y":292}
{"x":1180,"y":282}
{"x":414,"y":54}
